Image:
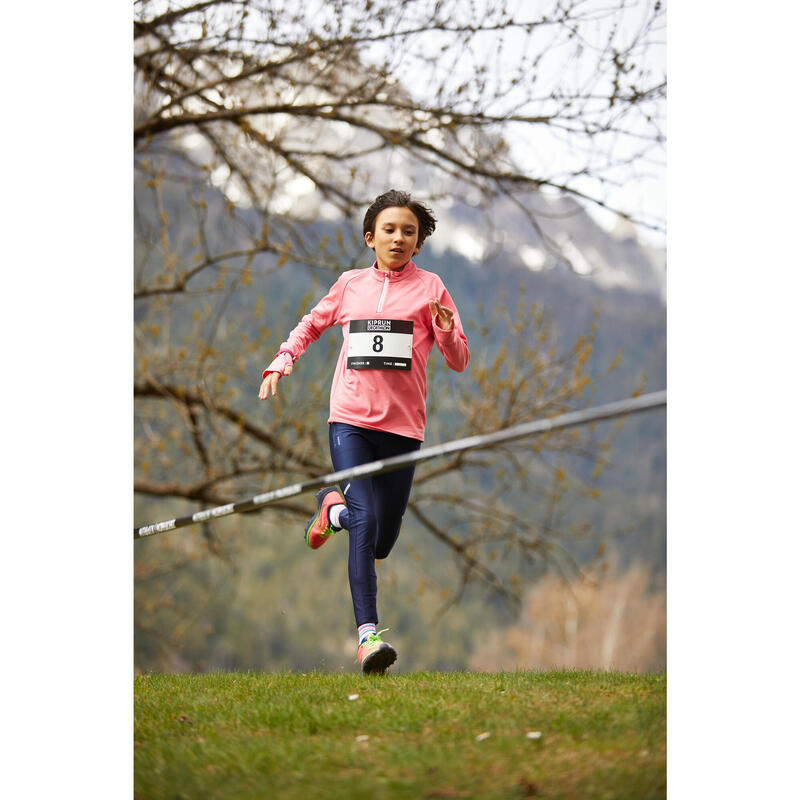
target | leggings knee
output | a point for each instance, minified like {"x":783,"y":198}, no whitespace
{"x":385,"y":544}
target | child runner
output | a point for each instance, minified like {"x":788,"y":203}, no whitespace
{"x":391,"y":314}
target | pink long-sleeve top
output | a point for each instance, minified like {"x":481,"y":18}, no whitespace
{"x":380,"y":380}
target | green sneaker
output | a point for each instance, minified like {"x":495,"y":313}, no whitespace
{"x":375,"y":655}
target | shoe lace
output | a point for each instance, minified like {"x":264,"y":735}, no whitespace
{"x":375,"y":638}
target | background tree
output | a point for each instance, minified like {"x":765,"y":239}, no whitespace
{"x":275,"y":101}
{"x":612,"y":622}
{"x":260,"y":135}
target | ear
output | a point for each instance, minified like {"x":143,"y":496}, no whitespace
{"x":369,"y":240}
{"x":417,"y":249}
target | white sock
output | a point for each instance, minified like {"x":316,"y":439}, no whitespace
{"x":365,"y":630}
{"x":333,"y":514}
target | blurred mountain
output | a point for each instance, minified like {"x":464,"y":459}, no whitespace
{"x":568,"y":240}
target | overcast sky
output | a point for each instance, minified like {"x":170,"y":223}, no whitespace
{"x":638,"y":188}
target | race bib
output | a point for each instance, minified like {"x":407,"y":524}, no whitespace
{"x":380,"y":344}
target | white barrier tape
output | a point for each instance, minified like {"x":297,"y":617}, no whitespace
{"x":619,"y":408}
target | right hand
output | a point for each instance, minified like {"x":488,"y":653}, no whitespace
{"x":269,"y":385}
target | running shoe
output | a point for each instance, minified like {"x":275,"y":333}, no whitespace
{"x":319,"y":529}
{"x":375,"y":655}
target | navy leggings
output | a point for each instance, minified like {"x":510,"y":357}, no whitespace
{"x":375,"y":506}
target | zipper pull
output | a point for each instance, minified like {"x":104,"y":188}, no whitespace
{"x":383,"y":292}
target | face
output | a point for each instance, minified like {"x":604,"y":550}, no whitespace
{"x":395,"y":237}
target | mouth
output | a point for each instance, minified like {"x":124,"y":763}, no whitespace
{"x":398,"y":250}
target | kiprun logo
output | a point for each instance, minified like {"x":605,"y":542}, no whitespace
{"x":379,"y":325}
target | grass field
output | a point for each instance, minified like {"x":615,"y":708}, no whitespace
{"x":569,"y":734}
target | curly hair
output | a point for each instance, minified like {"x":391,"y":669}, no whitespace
{"x":395,"y":198}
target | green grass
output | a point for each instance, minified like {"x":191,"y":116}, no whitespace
{"x":225,"y":736}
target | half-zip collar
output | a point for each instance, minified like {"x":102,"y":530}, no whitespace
{"x":391,"y":276}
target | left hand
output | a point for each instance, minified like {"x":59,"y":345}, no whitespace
{"x":445,"y":314}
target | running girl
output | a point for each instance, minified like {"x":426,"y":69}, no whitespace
{"x":391,"y":314}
